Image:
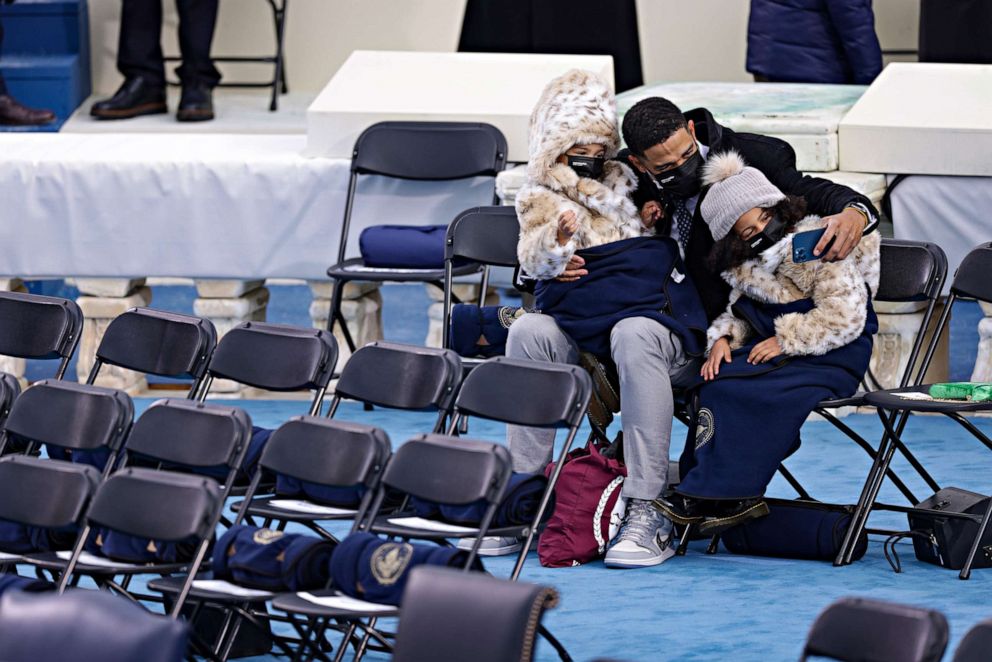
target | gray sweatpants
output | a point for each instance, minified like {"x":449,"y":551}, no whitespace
{"x":649,"y":360}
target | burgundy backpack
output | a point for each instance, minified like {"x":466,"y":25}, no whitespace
{"x":588,"y":507}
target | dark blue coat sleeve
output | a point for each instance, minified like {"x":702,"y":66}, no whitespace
{"x":854,"y":21}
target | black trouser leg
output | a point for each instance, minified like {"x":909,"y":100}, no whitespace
{"x":197,"y":19}
{"x":3,"y":83}
{"x":139,"y":49}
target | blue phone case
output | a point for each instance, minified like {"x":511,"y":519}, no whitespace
{"x":804,"y":243}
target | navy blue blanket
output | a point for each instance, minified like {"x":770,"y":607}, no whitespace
{"x":628,"y":278}
{"x":517,"y":508}
{"x":367,"y":567}
{"x":749,"y":418}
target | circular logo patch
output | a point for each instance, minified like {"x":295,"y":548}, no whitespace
{"x":390,"y":560}
{"x":705,"y":427}
{"x":266,"y":536}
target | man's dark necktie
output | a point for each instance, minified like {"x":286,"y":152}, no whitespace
{"x":683,"y":220}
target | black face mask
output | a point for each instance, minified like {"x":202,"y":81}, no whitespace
{"x":683,"y":181}
{"x":771,"y":235}
{"x":587,"y":166}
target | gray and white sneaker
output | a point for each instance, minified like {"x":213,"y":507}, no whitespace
{"x":494,"y":545}
{"x":644,"y":539}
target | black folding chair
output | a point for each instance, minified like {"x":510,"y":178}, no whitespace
{"x":46,"y":494}
{"x":75,"y":417}
{"x":911,"y":271}
{"x":397,"y":376}
{"x":275,"y":357}
{"x":450,"y":615}
{"x":86,"y":625}
{"x":432,"y":467}
{"x":856,"y":629}
{"x":161,"y":506}
{"x":10,"y":388}
{"x":321,"y":452}
{"x":530,"y":393}
{"x":485,"y":236}
{"x":33,"y":326}
{"x":307,"y":448}
{"x":976,"y":644}
{"x":159,"y":343}
{"x":971,"y":281}
{"x":424,"y":151}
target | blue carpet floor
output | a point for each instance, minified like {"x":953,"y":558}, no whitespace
{"x":709,"y":607}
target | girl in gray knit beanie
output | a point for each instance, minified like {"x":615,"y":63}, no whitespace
{"x":753,"y":224}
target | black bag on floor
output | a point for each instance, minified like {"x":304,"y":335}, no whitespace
{"x":795,"y":529}
{"x":946,"y":541}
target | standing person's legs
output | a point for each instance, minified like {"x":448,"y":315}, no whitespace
{"x":649,"y":359}
{"x":139,"y":48}
{"x":538,"y":338}
{"x":197,"y":19}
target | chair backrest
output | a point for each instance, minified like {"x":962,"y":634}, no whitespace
{"x":976,"y":644}
{"x":276,"y":357}
{"x":973,"y":279}
{"x":430,"y":150}
{"x":854,"y":629}
{"x":400,"y":377}
{"x":159,"y":505}
{"x":45,"y":493}
{"x":910,"y":270}
{"x":158,"y":343}
{"x":76,"y":416}
{"x":451,"y":615}
{"x":191,"y":434}
{"x":487,"y":235}
{"x":449,"y":470}
{"x":33,"y":326}
{"x":86,"y":625}
{"x":520,"y":392}
{"x":10,"y":388}
{"x":327,"y":452}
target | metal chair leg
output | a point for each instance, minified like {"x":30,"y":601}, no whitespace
{"x":966,"y":570}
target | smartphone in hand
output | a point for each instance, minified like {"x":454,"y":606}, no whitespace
{"x":803,"y":244}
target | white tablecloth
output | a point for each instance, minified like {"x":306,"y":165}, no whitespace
{"x":953,"y":212}
{"x":205,"y":206}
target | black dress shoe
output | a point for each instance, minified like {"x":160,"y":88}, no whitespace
{"x":137,"y":96}
{"x":14,"y":113}
{"x":680,"y":509}
{"x":196,"y":104}
{"x":729,"y":514}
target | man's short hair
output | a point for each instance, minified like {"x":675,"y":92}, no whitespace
{"x":649,"y":122}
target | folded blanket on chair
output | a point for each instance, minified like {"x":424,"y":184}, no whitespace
{"x":969,"y":391}
{"x":640,"y":277}
{"x":517,"y":508}
{"x":367,"y":567}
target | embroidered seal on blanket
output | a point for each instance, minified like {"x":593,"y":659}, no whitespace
{"x":705,"y":427}
{"x":389,"y":562}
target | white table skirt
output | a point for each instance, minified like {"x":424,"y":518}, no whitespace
{"x":952,"y":212}
{"x":201,"y":206}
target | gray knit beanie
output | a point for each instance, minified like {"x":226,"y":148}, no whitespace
{"x":734,"y":189}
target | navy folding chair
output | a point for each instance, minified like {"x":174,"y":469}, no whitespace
{"x":160,"y":343}
{"x":88,"y":422}
{"x":971,"y":281}
{"x":976,"y":644}
{"x":423,"y":151}
{"x":450,"y":615}
{"x":397,"y":376}
{"x":857,"y":629}
{"x":33,"y":326}
{"x":86,"y":625}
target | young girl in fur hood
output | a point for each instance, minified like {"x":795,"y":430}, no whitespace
{"x":753,"y":224}
{"x":575,"y":197}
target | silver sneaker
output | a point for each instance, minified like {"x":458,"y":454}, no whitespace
{"x":494,"y":545}
{"x":644,"y":539}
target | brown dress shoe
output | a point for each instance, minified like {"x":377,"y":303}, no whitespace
{"x":13,"y":113}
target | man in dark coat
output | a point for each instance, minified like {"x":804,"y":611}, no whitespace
{"x":667,"y":149}
{"x":813,"y":41}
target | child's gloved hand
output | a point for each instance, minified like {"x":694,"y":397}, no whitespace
{"x":568,"y":225}
{"x":718,"y":354}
